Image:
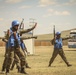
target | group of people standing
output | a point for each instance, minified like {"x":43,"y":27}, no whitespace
{"x":14,"y":45}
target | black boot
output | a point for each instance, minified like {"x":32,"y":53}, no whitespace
{"x":3,"y":69}
{"x":19,"y":69}
{"x":49,"y":65}
{"x":69,"y":65}
{"x":23,"y":71}
{"x":27,"y":66}
{"x":11,"y":69}
{"x":7,"y":72}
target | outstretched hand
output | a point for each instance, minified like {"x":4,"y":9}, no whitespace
{"x":35,"y":25}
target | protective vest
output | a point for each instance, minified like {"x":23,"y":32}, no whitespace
{"x":11,"y":40}
{"x":58,"y":43}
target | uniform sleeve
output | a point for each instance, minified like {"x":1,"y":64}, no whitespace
{"x":23,"y":47}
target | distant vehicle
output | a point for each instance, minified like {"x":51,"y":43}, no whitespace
{"x":72,"y":41}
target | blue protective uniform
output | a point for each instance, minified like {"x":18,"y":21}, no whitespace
{"x":23,"y":47}
{"x":58,"y":43}
{"x":11,"y":40}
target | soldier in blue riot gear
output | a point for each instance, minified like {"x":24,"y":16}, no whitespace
{"x":9,"y":31}
{"x":16,"y":59}
{"x":57,"y":41}
{"x":23,"y":47}
{"x":14,"y":47}
{"x":6,"y":51}
{"x":8,"y":45}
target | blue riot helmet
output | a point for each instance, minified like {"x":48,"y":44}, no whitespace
{"x":58,"y":33}
{"x":15,"y":23}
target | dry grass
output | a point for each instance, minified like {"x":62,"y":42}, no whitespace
{"x":39,"y":62}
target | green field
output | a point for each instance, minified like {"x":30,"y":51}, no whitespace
{"x":39,"y":62}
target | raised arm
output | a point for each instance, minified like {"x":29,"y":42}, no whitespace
{"x":53,"y":41}
{"x":66,"y":38}
{"x":28,"y":30}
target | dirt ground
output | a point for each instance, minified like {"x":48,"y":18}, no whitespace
{"x":39,"y":62}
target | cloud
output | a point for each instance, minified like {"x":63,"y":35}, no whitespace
{"x":24,"y":7}
{"x":44,"y":3}
{"x":62,"y":13}
{"x":71,"y":2}
{"x":13,"y":1}
{"x":1,"y":19}
{"x":51,"y":12}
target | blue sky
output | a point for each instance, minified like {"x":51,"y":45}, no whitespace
{"x":61,"y":13}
